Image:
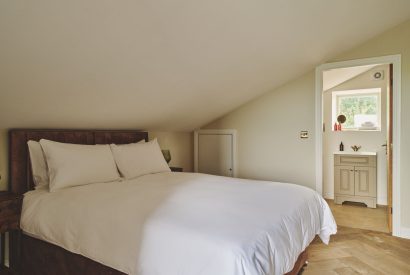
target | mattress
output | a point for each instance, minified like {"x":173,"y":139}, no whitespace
{"x":182,"y":223}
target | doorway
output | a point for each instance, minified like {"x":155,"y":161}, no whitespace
{"x":361,"y":91}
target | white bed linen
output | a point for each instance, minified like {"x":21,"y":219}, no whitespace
{"x":182,"y":223}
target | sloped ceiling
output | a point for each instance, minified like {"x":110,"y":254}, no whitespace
{"x":166,"y":65}
{"x":334,"y":77}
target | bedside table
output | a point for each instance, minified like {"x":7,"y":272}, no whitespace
{"x":176,"y":169}
{"x":10,"y":209}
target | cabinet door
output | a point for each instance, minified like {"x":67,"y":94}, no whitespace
{"x":365,"y":181}
{"x":344,"y":180}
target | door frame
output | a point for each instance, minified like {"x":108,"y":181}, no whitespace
{"x":390,"y":59}
{"x":232,"y":132}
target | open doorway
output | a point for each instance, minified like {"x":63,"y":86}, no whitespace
{"x":355,"y":117}
{"x":355,"y":108}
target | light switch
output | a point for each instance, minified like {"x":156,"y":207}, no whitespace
{"x":304,"y":134}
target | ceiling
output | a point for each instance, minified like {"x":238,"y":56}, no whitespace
{"x":166,"y":65}
{"x":334,"y":77}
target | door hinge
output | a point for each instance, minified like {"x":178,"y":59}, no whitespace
{"x":391,"y":210}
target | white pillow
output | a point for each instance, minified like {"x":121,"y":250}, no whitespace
{"x":137,"y":159}
{"x":75,"y":164}
{"x":38,"y":164}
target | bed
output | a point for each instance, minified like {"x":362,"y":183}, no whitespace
{"x":165,"y":223}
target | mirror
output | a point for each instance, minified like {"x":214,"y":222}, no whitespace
{"x":341,"y":119}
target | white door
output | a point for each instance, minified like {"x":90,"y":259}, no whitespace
{"x":215,"y":154}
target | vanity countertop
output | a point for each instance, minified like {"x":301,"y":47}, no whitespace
{"x":353,"y":153}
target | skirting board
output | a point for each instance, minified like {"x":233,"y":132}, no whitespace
{"x":328,"y":196}
{"x":332,"y":197}
{"x":405,"y":232}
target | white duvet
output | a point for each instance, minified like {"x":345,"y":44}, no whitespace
{"x":182,"y":223}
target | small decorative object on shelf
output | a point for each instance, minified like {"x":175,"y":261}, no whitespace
{"x":356,"y":148}
{"x":167,"y":155}
{"x":176,"y":169}
{"x":340,"y":119}
{"x":341,"y":147}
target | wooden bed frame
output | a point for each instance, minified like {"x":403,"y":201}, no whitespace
{"x":29,"y":255}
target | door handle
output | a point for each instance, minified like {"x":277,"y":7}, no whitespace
{"x":385,"y":145}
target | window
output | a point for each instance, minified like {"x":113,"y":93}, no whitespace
{"x":361,"y":108}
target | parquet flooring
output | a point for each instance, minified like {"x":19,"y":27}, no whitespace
{"x":359,"y":216}
{"x":359,"y":251}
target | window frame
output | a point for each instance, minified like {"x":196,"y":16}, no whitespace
{"x":357,"y":92}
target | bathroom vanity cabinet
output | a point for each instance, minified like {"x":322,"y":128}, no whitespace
{"x":355,"y":177}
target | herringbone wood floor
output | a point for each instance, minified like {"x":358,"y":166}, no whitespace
{"x":359,"y":251}
{"x":359,"y":216}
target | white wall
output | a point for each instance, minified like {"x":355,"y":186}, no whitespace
{"x":268,"y":127}
{"x":370,"y":141}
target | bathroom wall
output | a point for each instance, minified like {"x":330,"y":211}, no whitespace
{"x":368,"y":140}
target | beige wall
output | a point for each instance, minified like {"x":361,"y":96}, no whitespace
{"x":268,"y":127}
{"x":179,"y":143}
{"x":268,"y":140}
{"x":370,"y":141}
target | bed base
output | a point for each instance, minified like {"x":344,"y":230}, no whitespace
{"x":42,"y":258}
{"x":301,"y":262}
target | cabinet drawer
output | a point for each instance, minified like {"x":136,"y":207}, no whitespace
{"x":368,"y":161}
{"x":8,"y":223}
{"x":10,"y":207}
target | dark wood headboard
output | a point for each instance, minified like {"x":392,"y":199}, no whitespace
{"x":20,"y":177}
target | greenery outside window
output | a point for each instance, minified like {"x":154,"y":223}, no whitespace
{"x":361,"y":108}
